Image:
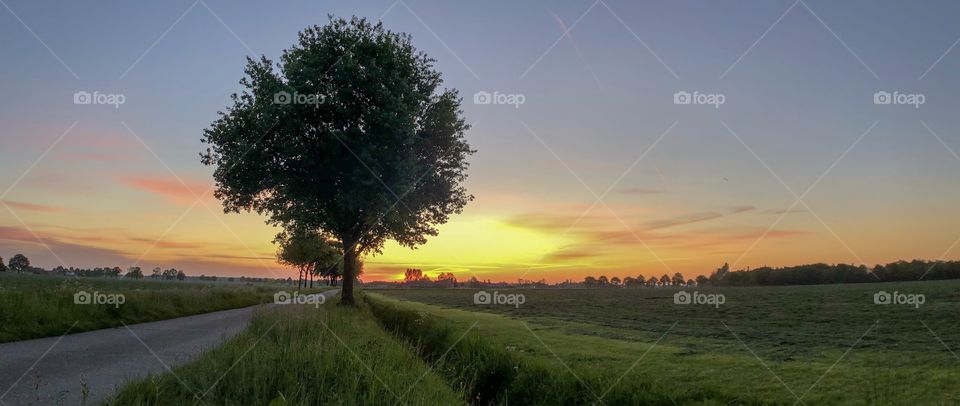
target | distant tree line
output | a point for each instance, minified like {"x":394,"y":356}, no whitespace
{"x":818,"y":274}
{"x":637,"y":282}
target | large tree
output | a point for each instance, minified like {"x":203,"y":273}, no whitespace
{"x":350,"y":135}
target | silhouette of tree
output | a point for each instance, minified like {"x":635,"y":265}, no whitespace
{"x":3,"y":267}
{"x":665,"y":280}
{"x":677,"y":279}
{"x":19,"y":263}
{"x":702,"y":280}
{"x":590,"y":282}
{"x":134,"y":272}
{"x":353,"y":137}
{"x":308,"y":251}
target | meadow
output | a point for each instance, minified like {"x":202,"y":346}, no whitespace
{"x":826,"y":344}
{"x":801,"y":345}
{"x":33,"y":306}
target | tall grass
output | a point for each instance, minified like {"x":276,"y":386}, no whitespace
{"x":491,"y":373}
{"x":34,"y":306}
{"x":299,"y":355}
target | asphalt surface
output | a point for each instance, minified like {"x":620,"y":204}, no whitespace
{"x":86,"y":368}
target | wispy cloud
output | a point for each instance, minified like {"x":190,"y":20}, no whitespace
{"x":682,"y":220}
{"x":639,"y":191}
{"x":41,"y":208}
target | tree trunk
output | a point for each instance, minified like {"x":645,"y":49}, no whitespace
{"x":350,"y":261}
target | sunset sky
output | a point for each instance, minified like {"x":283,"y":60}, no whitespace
{"x":598,"y":172}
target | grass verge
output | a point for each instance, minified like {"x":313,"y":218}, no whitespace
{"x":299,"y":355}
{"x":490,"y":372}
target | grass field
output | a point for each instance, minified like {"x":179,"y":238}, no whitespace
{"x":299,"y":355}
{"x":33,"y":306}
{"x":827,"y":344}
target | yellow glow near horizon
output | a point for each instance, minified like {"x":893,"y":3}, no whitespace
{"x":470,"y":244}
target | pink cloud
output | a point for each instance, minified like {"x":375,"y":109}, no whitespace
{"x":172,"y":189}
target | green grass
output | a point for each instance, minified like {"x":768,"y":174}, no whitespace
{"x":300,"y":355}
{"x":802,"y":334}
{"x":33,"y":306}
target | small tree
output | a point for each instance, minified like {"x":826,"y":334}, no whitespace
{"x":134,"y":273}
{"x":19,"y":263}
{"x":664,"y":280}
{"x":702,"y":280}
{"x":3,"y":267}
{"x":307,"y":251}
{"x":590,"y":281}
{"x":677,"y":279}
{"x":353,"y":137}
{"x":181,"y":276}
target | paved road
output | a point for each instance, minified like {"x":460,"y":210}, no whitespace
{"x":55,"y":370}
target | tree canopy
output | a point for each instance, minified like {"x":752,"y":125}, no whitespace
{"x":19,"y":263}
{"x":351,"y":135}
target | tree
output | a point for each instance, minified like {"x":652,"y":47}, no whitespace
{"x":677,"y":279}
{"x":652,"y":281}
{"x":181,"y":276}
{"x":615,"y":281}
{"x":306,"y":250}
{"x":19,"y":263}
{"x":134,"y":272}
{"x":602,"y":280}
{"x":377,"y":155}
{"x":664,"y":280}
{"x":589,"y":281}
{"x":412,"y":275}
{"x":3,"y":267}
{"x":702,"y":280}
{"x":157,"y":273}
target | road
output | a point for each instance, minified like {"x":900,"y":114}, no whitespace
{"x":59,"y":370}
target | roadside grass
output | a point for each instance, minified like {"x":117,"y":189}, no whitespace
{"x":790,"y":343}
{"x":300,"y":355}
{"x":34,"y":306}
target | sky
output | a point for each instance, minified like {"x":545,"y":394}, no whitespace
{"x":787,"y":153}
